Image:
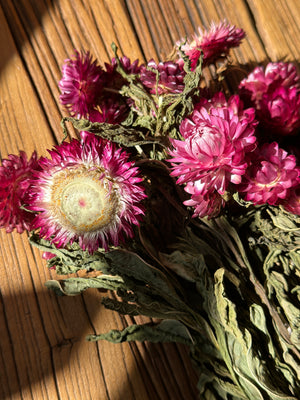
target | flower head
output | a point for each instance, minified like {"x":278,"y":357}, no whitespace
{"x":270,"y":175}
{"x":292,"y":201}
{"x":214,"y":43}
{"x":275,"y":94}
{"x":165,"y":77}
{"x":87,"y":192}
{"x":205,"y":203}
{"x":15,"y":184}
{"x":217,"y":136}
{"x":81,"y":83}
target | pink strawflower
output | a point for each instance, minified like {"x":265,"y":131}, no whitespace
{"x":216,"y":136}
{"x":213,"y":44}
{"x":15,"y":184}
{"x":262,"y":80}
{"x":81,"y":84}
{"x":236,"y":107}
{"x":275,"y":94}
{"x":204,"y":203}
{"x":269,"y":176}
{"x":170,"y":77}
{"x":292,"y":202}
{"x":128,"y":66}
{"x":87,"y":192}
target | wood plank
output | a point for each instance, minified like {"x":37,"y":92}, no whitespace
{"x":278,"y":24}
{"x":21,"y":112}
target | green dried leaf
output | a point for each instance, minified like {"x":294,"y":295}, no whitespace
{"x":71,"y":259}
{"x":75,"y":286}
{"x":254,"y":371}
{"x":184,"y":265}
{"x":166,"y":331}
{"x":152,"y":283}
{"x":122,"y":307}
{"x":119,"y":134}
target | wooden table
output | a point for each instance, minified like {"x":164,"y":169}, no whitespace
{"x":43,"y":351}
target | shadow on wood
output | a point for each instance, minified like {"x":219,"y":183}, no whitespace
{"x":46,"y":352}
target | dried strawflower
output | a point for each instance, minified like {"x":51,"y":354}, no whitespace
{"x":162,"y":78}
{"x":81,"y":84}
{"x":213,"y":43}
{"x":204,"y":203}
{"x":109,"y":111}
{"x":87,"y":192}
{"x":216,"y":138}
{"x":15,"y":184}
{"x":275,"y":94}
{"x":113,"y":79}
{"x":270,"y":174}
{"x":292,"y":201}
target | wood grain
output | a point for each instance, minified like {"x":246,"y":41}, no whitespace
{"x":43,"y":351}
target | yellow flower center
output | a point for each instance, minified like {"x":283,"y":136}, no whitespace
{"x":82,"y":200}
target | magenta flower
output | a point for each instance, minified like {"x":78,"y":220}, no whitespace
{"x":216,"y":138}
{"x":170,"y":77}
{"x":87,"y":192}
{"x":81,"y":83}
{"x":128,"y":66}
{"x":292,"y":202}
{"x":204,"y":203}
{"x":269,"y":176}
{"x":15,"y":184}
{"x":236,"y":107}
{"x":214,"y":43}
{"x":275,"y":94}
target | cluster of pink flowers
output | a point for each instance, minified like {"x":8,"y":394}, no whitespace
{"x":227,"y":148}
{"x":89,"y":191}
{"x":233,"y":146}
{"x":92,"y":92}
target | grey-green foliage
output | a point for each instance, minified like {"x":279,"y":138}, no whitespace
{"x":235,"y":300}
{"x":248,"y":295}
{"x":165,"y":331}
